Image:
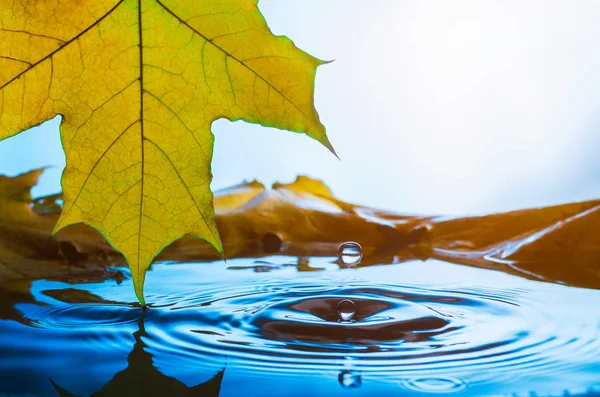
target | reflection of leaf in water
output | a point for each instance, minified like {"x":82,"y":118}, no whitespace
{"x":62,"y":392}
{"x":142,"y":378}
{"x":18,"y":292}
{"x":73,"y":295}
{"x":10,"y":296}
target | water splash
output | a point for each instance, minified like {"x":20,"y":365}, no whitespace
{"x":350,"y":253}
{"x":346,"y":310}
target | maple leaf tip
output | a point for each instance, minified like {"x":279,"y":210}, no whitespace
{"x":335,"y":154}
{"x":139,"y":291}
{"x":325,"y":141}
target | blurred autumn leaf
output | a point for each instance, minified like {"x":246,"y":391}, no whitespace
{"x":138,"y":84}
{"x":303,"y":219}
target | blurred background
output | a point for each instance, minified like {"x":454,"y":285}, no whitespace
{"x":463,"y":106}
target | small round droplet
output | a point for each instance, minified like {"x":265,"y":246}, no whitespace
{"x":349,"y":380}
{"x":350,"y":253}
{"x":346,"y":310}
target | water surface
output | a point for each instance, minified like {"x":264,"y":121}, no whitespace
{"x":265,"y":328}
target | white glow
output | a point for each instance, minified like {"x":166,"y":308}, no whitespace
{"x":438,"y":106}
{"x":443,"y":106}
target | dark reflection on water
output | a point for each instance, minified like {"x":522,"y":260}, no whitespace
{"x":142,"y":378}
{"x":417,"y":329}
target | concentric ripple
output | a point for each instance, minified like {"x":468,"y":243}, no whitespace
{"x":425,"y":337}
{"x":295,"y":325}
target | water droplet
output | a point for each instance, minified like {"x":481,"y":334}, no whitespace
{"x":349,"y":380}
{"x":350,"y":253}
{"x":346,"y":310}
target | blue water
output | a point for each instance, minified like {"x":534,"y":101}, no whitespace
{"x":271,"y":327}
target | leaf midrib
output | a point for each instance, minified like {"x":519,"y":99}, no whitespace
{"x":142,"y":138}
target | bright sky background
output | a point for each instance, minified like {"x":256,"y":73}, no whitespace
{"x":433,"y":106}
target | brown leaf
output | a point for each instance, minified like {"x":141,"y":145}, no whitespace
{"x":26,"y":247}
{"x":303,"y":219}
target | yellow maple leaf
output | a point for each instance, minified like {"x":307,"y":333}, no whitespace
{"x":139,"y":83}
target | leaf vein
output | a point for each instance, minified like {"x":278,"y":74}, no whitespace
{"x":32,"y":34}
{"x":100,"y":159}
{"x":120,"y":196}
{"x":236,"y":59}
{"x":76,"y":37}
{"x":184,"y":184}
{"x":15,"y":59}
{"x":178,"y":118}
{"x":141,"y":59}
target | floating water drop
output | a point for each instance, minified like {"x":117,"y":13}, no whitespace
{"x":350,"y":253}
{"x":349,"y":380}
{"x":346,"y":310}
